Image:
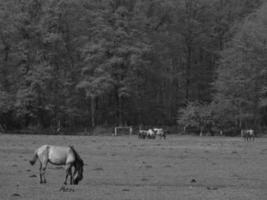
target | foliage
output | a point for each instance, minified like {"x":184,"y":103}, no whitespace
{"x":242,"y":74}
{"x":196,"y":115}
{"x":82,"y":64}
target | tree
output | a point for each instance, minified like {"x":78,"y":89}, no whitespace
{"x":241,"y":75}
{"x":113,"y":56}
{"x":198,"y":116}
{"x":127,"y":62}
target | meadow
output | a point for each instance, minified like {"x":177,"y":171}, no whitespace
{"x":128,"y":168}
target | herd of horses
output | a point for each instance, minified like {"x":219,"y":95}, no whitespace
{"x":152,"y":133}
{"x":248,"y":134}
{"x":68,"y":156}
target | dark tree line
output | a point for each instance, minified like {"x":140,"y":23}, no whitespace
{"x":87,"y":63}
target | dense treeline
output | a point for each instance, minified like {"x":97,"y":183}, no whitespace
{"x":87,"y":63}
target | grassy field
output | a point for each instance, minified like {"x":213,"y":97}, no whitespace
{"x":127,"y":168}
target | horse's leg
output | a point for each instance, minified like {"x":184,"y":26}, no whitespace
{"x":43,"y":171}
{"x":68,"y":168}
{"x":66,"y":177}
{"x":40,"y":172}
{"x":71,"y":175}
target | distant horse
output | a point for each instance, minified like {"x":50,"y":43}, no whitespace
{"x":151,"y":134}
{"x":160,"y":132}
{"x":142,"y":134}
{"x":59,"y":155}
{"x":248,"y":134}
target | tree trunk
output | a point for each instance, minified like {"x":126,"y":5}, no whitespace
{"x":120,"y":110}
{"x":201,"y":132}
{"x":93,"y":108}
{"x":188,"y":43}
{"x":6,"y":53}
{"x":188,"y":72}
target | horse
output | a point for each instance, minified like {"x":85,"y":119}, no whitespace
{"x":59,"y":155}
{"x":142,"y":134}
{"x":160,"y":132}
{"x":150,"y":134}
{"x":248,"y":134}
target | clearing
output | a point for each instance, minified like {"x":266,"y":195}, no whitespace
{"x":128,"y":168}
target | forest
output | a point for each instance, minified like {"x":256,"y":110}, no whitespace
{"x":82,"y":64}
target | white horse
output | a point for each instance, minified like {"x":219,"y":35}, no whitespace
{"x":59,"y":155}
{"x":160,"y":132}
{"x":151,"y":134}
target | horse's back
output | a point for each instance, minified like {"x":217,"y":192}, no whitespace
{"x":43,"y":147}
{"x":61,"y":155}
{"x":57,"y":155}
{"x":42,"y":150}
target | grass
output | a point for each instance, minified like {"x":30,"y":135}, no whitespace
{"x":127,"y":168}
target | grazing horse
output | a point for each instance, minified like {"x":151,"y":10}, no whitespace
{"x":59,"y":155}
{"x":150,"y":134}
{"x":160,"y":132}
{"x":248,"y":134}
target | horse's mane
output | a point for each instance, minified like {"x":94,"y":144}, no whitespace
{"x":77,"y":156}
{"x":78,"y":164}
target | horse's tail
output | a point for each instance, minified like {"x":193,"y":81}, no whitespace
{"x":34,"y":158}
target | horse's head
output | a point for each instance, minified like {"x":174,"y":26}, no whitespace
{"x":79,"y":168}
{"x":78,"y":165}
